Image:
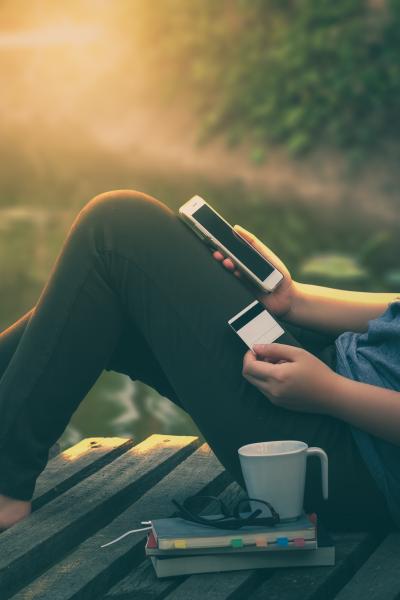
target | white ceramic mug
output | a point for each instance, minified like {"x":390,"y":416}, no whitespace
{"x":276,"y":472}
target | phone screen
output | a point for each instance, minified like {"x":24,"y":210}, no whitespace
{"x":225,"y":234}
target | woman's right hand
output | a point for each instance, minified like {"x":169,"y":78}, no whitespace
{"x":279,"y":302}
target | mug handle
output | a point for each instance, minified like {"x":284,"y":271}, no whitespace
{"x":324,"y":467}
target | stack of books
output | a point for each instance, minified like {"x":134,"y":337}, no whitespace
{"x":179,"y":547}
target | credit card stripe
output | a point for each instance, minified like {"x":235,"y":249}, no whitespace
{"x":248,"y":316}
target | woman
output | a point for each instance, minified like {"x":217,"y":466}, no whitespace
{"x":133,"y":290}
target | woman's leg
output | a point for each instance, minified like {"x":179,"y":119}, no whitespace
{"x":129,"y":259}
{"x":9,"y":340}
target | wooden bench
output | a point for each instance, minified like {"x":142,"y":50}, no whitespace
{"x":102,"y":487}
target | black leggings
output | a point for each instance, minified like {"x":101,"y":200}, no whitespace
{"x":133,"y":290}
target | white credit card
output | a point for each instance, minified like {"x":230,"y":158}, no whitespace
{"x":255,"y":325}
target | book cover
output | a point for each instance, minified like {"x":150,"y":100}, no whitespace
{"x":177,"y":533}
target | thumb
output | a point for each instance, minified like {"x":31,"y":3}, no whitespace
{"x":276,"y":352}
{"x":250,"y":237}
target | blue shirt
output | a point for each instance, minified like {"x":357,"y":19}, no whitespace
{"x":374,"y":357}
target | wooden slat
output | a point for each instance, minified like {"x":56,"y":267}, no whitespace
{"x":314,"y":583}
{"x":71,"y":466}
{"x":379,"y":577}
{"x":64,"y":522}
{"x":90,"y":570}
{"x":87,"y":572}
{"x":215,"y":586}
{"x":142,"y":582}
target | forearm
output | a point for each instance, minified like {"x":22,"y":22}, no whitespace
{"x":373,"y":409}
{"x":334,"y":311}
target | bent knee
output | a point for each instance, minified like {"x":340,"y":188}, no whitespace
{"x":121,"y":202}
{"x":118,"y":208}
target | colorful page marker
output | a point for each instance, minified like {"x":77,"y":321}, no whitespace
{"x":313,"y":518}
{"x":180,"y":544}
{"x":282,"y":541}
{"x":261,"y":542}
{"x":237,"y":543}
{"x":299,"y":542}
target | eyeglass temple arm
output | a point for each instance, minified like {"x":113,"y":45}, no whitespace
{"x":274,"y":514}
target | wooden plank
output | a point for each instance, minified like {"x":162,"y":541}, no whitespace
{"x":379,"y":577}
{"x":90,"y":570}
{"x":76,"y":463}
{"x":142,"y":582}
{"x":37,"y":542}
{"x":215,"y":586}
{"x":313,"y":583}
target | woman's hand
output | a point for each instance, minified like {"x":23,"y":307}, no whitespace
{"x":280,"y":300}
{"x":291,"y":377}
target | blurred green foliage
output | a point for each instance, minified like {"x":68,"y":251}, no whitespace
{"x":334,"y":267}
{"x":299,"y":74}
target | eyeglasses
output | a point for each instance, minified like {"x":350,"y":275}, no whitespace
{"x":225,"y":519}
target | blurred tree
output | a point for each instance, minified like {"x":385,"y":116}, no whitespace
{"x":293,"y":73}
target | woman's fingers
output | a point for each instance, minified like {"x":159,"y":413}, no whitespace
{"x":258,"y":369}
{"x":268,"y":359}
{"x":260,"y":384}
{"x":227,"y":262}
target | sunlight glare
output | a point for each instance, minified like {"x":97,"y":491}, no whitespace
{"x":89,"y":445}
{"x":51,"y":35}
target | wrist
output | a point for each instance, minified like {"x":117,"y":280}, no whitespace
{"x":296,"y":300}
{"x":337,"y":389}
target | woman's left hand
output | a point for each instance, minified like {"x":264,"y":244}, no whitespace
{"x":290,"y":377}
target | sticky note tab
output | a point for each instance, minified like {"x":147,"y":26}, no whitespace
{"x":261,"y":542}
{"x":282,"y":541}
{"x":237,"y":543}
{"x":151,"y":540}
{"x":180,"y":544}
{"x":313,"y":518}
{"x":299,"y":542}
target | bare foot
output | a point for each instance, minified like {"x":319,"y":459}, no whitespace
{"x":12,"y":511}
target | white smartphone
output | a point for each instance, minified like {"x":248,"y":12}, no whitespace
{"x":217,"y":232}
